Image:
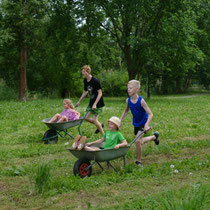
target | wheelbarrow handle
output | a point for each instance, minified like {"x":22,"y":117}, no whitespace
{"x":140,"y":133}
{"x":82,"y":122}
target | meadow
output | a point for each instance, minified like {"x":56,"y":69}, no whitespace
{"x":34,"y":175}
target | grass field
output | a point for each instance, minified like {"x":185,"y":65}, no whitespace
{"x":175,"y":175}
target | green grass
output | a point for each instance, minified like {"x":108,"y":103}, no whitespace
{"x":175,"y":173}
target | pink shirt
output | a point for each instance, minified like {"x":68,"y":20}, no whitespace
{"x":71,"y":115}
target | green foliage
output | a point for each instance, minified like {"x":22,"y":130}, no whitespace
{"x":6,"y":93}
{"x":169,"y":47}
{"x":20,"y":23}
{"x":114,"y":83}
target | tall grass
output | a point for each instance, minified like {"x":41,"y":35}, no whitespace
{"x":195,"y":198}
{"x":188,"y":198}
{"x":40,"y":178}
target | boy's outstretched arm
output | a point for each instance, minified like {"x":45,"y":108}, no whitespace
{"x":149,"y":112}
{"x":123,"y":144}
{"x":82,"y":96}
{"x":125,"y":112}
{"x":96,"y":142}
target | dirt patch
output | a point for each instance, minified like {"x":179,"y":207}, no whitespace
{"x":3,"y":187}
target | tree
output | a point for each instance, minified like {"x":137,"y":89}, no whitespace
{"x":21,"y":19}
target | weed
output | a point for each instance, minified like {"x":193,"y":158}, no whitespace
{"x":40,"y":178}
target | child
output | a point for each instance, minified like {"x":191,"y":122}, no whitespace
{"x":93,"y":87}
{"x":67,"y":114}
{"x":142,"y":117}
{"x":112,"y":138}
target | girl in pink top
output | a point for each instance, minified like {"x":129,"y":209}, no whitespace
{"x":68,"y":114}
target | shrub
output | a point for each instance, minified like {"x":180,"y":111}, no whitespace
{"x":114,"y":82}
{"x":7,"y":93}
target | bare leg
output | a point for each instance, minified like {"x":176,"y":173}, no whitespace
{"x":147,"y":139}
{"x":91,"y":148}
{"x":139,"y":144}
{"x":139,"y":149}
{"x":95,"y":121}
{"x":54,"y":118}
{"x":63,"y":119}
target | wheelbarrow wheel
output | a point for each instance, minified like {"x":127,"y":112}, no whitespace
{"x":80,"y":166}
{"x":50,"y":137}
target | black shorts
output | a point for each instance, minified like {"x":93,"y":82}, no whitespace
{"x":137,"y":129}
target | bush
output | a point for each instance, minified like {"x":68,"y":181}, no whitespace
{"x":114,"y":83}
{"x":7,"y":93}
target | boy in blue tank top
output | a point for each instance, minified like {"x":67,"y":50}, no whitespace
{"x":142,"y":116}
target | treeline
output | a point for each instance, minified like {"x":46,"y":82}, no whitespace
{"x":44,"y":44}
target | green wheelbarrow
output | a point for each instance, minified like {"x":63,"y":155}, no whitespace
{"x":60,"y":129}
{"x":83,"y":166}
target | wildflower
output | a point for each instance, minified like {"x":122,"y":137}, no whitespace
{"x":176,"y":171}
{"x":190,"y":173}
{"x":171,"y":166}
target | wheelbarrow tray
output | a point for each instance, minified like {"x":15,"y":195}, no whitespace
{"x":62,"y":125}
{"x":100,"y":155}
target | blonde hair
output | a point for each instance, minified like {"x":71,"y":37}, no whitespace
{"x":136,"y":83}
{"x":69,"y":102}
{"x":87,"y":68}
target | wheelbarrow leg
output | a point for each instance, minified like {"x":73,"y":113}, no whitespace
{"x":65,"y":133}
{"x":109,"y":164}
{"x":124,"y":163}
{"x":93,"y":164}
{"x":100,"y":165}
{"x":90,"y":165}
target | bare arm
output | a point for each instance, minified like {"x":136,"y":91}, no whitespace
{"x":82,"y":97}
{"x":149,"y":112}
{"x":125,"y":111}
{"x":97,"y":99}
{"x":96,"y":142}
{"x":123,"y":144}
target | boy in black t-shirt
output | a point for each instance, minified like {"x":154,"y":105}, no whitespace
{"x":93,"y":87}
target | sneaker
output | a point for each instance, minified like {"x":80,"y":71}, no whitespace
{"x":138,"y":163}
{"x":156,"y":137}
{"x":102,"y":125}
{"x":82,"y":143}
{"x":76,"y":139}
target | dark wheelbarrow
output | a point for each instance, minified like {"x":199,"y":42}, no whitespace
{"x":83,"y":166}
{"x":51,"y":135}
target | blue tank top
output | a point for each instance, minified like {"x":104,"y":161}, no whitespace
{"x":140,"y":116}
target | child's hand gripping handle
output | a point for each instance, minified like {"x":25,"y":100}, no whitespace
{"x":145,"y":131}
{"x":140,"y":133}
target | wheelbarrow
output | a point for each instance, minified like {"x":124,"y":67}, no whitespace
{"x":60,"y":129}
{"x":83,"y":166}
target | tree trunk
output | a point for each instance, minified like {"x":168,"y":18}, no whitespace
{"x":178,"y":85}
{"x":22,"y":86}
{"x":187,"y":81}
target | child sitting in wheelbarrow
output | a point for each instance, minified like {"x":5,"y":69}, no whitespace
{"x":68,"y":114}
{"x":112,"y":138}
